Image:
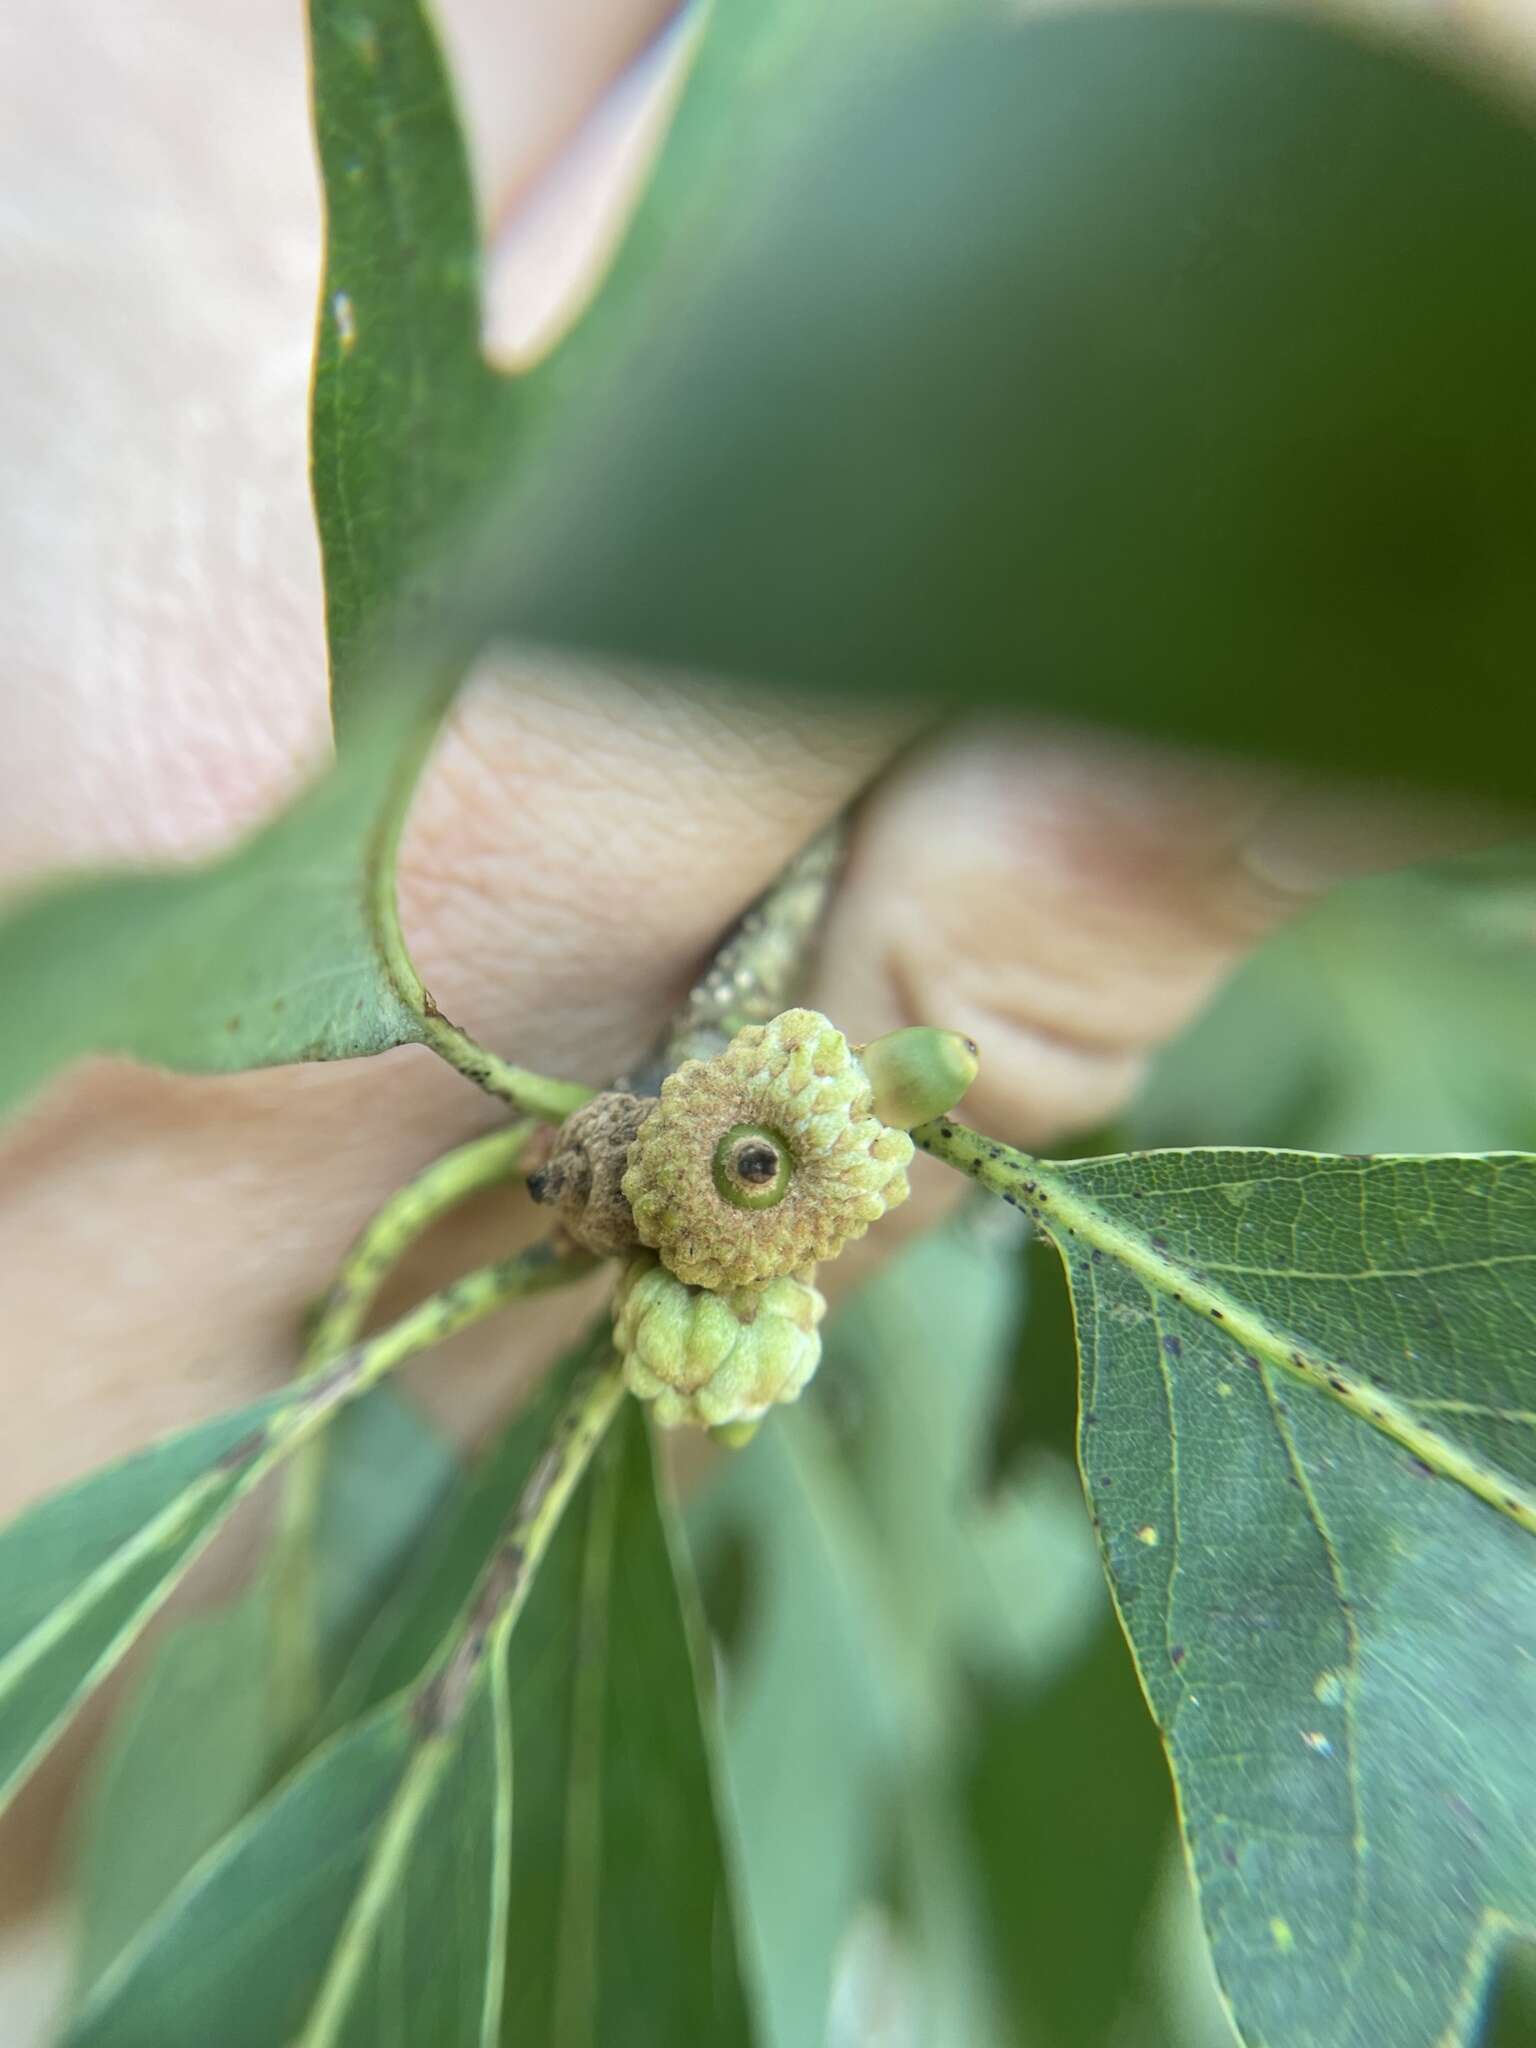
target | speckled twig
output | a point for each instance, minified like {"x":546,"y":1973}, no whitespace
{"x":759,"y":968}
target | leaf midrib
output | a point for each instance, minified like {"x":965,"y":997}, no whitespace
{"x":1045,"y":1191}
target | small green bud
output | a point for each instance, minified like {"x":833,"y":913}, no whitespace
{"x":918,"y":1073}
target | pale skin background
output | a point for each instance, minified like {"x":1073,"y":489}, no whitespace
{"x":1067,"y":900}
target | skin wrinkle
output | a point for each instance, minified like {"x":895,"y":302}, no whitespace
{"x":642,"y":885}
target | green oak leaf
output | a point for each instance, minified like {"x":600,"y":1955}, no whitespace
{"x":83,"y":1572}
{"x":288,"y":947}
{"x":406,"y":1861}
{"x":194,"y":1748}
{"x":1308,"y":1436}
{"x":240,"y":1945}
{"x":623,"y":1925}
{"x":1085,"y":363}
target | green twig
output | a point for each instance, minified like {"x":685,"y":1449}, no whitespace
{"x":756,"y":972}
{"x":458,"y":1306}
{"x":761,"y":966}
{"x":406,"y":1217}
{"x":332,"y":1378}
{"x":480,"y":1634}
{"x":409,"y":1213}
{"x":504,"y":1584}
{"x":528,"y":1093}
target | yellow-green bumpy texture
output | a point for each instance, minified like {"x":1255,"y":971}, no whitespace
{"x":798,"y":1078}
{"x":714,"y":1358}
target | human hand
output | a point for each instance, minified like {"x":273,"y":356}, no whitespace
{"x":1066,"y":900}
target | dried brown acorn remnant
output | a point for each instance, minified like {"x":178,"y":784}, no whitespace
{"x":583,"y":1174}
{"x":765,"y":1159}
{"x":719,"y":1358}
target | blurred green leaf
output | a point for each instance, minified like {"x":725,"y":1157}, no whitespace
{"x":182,"y":1764}
{"x":1173,"y":355}
{"x":435,"y":1585}
{"x":621,"y":1924}
{"x":390,"y":1480}
{"x":818,"y":1710}
{"x":1087,"y":363}
{"x":917,"y":1361}
{"x":615,"y":1904}
{"x":83,"y":1571}
{"x":1071,"y":1813}
{"x":749,"y":77}
{"x":235,"y":1954}
{"x":870,"y":1558}
{"x":194,"y":1749}
{"x":1037,"y":1410}
{"x":405,"y":1921}
{"x":1307,"y":1434}
{"x":1513,"y":2024}
{"x":958,"y":1996}
{"x":423,"y":1947}
{"x":269,"y":954}
{"x":1395,"y":1017}
{"x":288,"y":948}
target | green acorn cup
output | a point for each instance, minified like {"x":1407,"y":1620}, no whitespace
{"x":765,"y":1159}
{"x":778,"y":1151}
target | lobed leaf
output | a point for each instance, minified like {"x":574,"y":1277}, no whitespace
{"x":1308,"y":1435}
{"x":937,"y":360}
{"x":288,"y":948}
